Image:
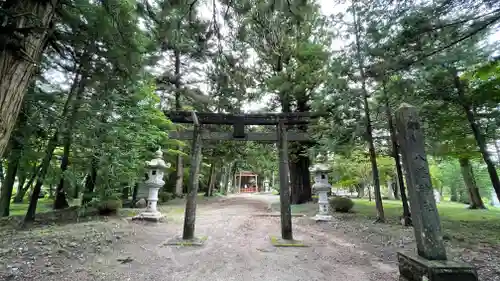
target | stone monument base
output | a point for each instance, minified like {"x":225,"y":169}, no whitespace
{"x":149,"y":216}
{"x":415,"y":268}
{"x":319,"y":217}
{"x":178,"y":241}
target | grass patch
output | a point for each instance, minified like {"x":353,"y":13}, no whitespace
{"x":302,"y":209}
{"x":457,"y":221}
{"x":44,"y":205}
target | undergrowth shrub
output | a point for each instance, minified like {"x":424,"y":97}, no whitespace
{"x":341,"y":204}
{"x":165,"y":196}
{"x":109,"y":206}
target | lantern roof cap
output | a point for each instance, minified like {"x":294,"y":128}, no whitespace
{"x":158,"y":162}
{"x":321,"y":165}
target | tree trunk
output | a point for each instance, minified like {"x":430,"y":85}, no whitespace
{"x":470,"y":182}
{"x":61,"y":201}
{"x":211,"y":180}
{"x":10,"y":177}
{"x":22,"y":189}
{"x":179,"y":181}
{"x":229,"y":173}
{"x":497,"y":149}
{"x":453,"y":193}
{"x":300,"y":176}
{"x":44,"y":166}
{"x":2,"y":176}
{"x":16,"y":151}
{"x":20,"y":58}
{"x":134,"y":194}
{"x":368,"y":132}
{"x":481,"y":143}
{"x":395,"y":190}
{"x":406,"y":218}
{"x":125,"y":192}
{"x":369,"y":193}
{"x":360,"y":188}
{"x":90,"y":181}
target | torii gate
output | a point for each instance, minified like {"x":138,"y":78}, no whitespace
{"x":281,"y":136}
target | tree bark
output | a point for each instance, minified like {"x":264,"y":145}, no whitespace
{"x":480,"y":140}
{"x":52,"y":144}
{"x":360,"y":188}
{"x":2,"y":176}
{"x":211,"y":180}
{"x":497,"y":150}
{"x":13,"y":160}
{"x":20,"y":58}
{"x":134,"y":193}
{"x":23,"y":188}
{"x":368,"y":132}
{"x":300,"y":175}
{"x":470,"y":182}
{"x":194,"y":179}
{"x":406,"y":218}
{"x":20,"y":189}
{"x":10,"y":177}
{"x":179,"y":181}
{"x":44,"y":166}
{"x":61,"y":201}
{"x":90,"y":181}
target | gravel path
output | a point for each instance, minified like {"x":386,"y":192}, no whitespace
{"x":238,"y":248}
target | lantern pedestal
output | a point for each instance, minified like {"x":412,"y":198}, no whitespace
{"x":323,"y":213}
{"x":155,"y":182}
{"x":321,"y":187}
{"x":151,"y":213}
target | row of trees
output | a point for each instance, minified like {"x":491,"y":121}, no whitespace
{"x":92,"y":77}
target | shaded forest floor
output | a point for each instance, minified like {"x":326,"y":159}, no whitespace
{"x":238,"y":248}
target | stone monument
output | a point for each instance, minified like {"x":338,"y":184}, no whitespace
{"x":494,"y":200}
{"x":266,"y":185}
{"x":430,"y":262}
{"x":390,"y":191}
{"x":156,"y":168}
{"x":437,"y":196}
{"x":321,"y":187}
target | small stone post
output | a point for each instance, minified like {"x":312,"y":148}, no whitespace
{"x":431,"y":262}
{"x":156,"y":168}
{"x":494,"y":199}
{"x":266,"y":185}
{"x":321,"y":187}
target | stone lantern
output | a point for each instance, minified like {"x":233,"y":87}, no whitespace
{"x":321,"y":187}
{"x":156,"y":169}
{"x":266,"y":185}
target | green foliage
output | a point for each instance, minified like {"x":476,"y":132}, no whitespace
{"x":341,"y":204}
{"x":164,"y":196}
{"x":108,"y":206}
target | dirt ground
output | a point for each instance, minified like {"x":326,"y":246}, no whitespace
{"x":237,"y":248}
